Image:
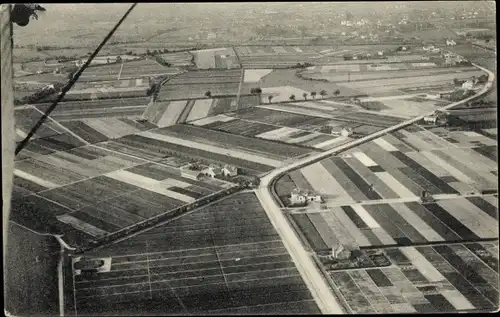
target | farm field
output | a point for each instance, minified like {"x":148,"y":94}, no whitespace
{"x":224,"y":58}
{"x":178,"y":59}
{"x":90,"y":120}
{"x":399,"y":166}
{"x":286,"y":56}
{"x":300,"y":116}
{"x":427,"y":279}
{"x":321,"y":141}
{"x":30,"y":271}
{"x":225,"y":258}
{"x":99,"y":191}
{"x":269,"y":153}
{"x":282,"y":83}
{"x":130,"y":70}
{"x":395,"y":85}
{"x":154,"y":145}
{"x":166,"y":113}
{"x":381,"y":72}
{"x":195,"y":84}
{"x":103,"y":89}
{"x":398,"y":224}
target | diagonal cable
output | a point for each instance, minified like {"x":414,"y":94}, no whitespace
{"x":71,"y":83}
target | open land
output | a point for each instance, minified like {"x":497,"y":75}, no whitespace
{"x":224,"y":259}
{"x":439,"y":256}
{"x":94,"y":168}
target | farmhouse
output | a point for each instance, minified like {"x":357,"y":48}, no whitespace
{"x":211,"y":171}
{"x":468,"y":85}
{"x":428,"y":47}
{"x":346,"y":131}
{"x":450,"y":43}
{"x":340,"y":252}
{"x":229,"y":170}
{"x":298,"y":197}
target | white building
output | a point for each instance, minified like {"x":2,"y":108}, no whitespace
{"x":428,"y":48}
{"x":468,"y":85}
{"x":430,"y":119}
{"x":229,"y":170}
{"x":450,"y":43}
{"x":211,"y":171}
{"x":346,"y":132}
{"x":298,"y":197}
{"x":380,"y":53}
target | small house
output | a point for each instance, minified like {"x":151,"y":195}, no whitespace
{"x":346,"y":132}
{"x":468,"y":85}
{"x":380,"y":53}
{"x":229,"y":170}
{"x":340,"y":252}
{"x":428,"y":47}
{"x":298,"y":196}
{"x":211,"y":171}
{"x":430,"y":119}
{"x":450,"y":43}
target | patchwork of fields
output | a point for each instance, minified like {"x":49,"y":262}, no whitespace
{"x":99,"y":191}
{"x":127,"y":70}
{"x":400,"y":165}
{"x":167,"y":113}
{"x":224,"y":259}
{"x":254,"y":129}
{"x":396,"y":85}
{"x":82,"y":121}
{"x":443,"y":255}
{"x":430,"y":279}
{"x":286,"y":56}
{"x":339,"y":73}
{"x":237,"y":146}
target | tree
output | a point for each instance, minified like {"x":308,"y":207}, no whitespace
{"x":304,"y":95}
{"x":323,"y":93}
{"x":337,"y":92}
{"x":118,"y":58}
{"x":208,"y":94}
{"x":455,"y":81}
{"x":313,"y":94}
{"x":256,"y":91}
{"x":270,"y":98}
{"x":107,"y":60}
{"x":292,"y":97}
{"x":148,"y":52}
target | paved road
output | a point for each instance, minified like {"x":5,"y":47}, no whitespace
{"x":319,"y":288}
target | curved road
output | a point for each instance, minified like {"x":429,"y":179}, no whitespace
{"x":327,"y":302}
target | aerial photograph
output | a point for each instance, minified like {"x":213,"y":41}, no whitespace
{"x":243,"y":158}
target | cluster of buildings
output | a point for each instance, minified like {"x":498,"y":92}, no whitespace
{"x":302,"y":197}
{"x":452,"y":59}
{"x":354,"y":23}
{"x":193,"y":171}
{"x":431,"y":49}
